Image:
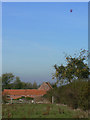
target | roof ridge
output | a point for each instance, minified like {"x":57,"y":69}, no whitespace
{"x":49,"y":84}
{"x":23,"y":89}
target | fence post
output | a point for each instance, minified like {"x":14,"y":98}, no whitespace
{"x":52,"y":99}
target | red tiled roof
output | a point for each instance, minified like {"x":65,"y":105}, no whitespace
{"x":24,"y":92}
{"x":17,"y":93}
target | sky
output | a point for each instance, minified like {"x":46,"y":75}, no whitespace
{"x":36,"y":36}
{"x":89,"y":34}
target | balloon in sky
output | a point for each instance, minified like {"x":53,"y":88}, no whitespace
{"x":70,"y":10}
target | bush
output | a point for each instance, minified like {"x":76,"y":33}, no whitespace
{"x":20,"y":98}
{"x":74,"y":94}
{"x":29,"y":98}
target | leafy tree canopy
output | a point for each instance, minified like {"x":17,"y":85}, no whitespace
{"x":7,"y":78}
{"x":76,"y":68}
{"x":9,"y":81}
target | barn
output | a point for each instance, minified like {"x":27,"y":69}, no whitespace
{"x":33,"y":93}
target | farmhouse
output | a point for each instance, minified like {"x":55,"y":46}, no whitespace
{"x":33,"y":93}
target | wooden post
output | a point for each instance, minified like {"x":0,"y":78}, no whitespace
{"x":11,"y":100}
{"x":52,"y":99}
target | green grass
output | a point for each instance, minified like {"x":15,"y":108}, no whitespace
{"x":39,"y":111}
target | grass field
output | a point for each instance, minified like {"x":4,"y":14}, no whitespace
{"x":40,"y":111}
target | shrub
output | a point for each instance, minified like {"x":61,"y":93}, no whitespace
{"x":29,"y":98}
{"x":74,"y":94}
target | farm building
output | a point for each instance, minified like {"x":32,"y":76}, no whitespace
{"x":33,"y":93}
{"x":45,"y":86}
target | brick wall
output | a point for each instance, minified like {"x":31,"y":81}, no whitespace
{"x":44,"y":86}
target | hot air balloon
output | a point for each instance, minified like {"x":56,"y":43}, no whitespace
{"x":70,"y":10}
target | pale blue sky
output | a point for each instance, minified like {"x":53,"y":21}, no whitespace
{"x":36,"y":35}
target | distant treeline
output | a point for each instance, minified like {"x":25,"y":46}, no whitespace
{"x":9,"y":81}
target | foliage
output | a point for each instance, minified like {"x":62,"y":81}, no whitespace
{"x":35,"y":85}
{"x":74,"y":94}
{"x":7,"y":78}
{"x":49,"y":95}
{"x":73,"y":78}
{"x":76,"y":68}
{"x":20,"y":98}
{"x":28,"y":98}
{"x":9,"y":81}
{"x":17,"y":83}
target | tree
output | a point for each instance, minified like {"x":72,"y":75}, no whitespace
{"x":76,"y":68}
{"x":7,"y":78}
{"x":17,"y":83}
{"x":29,"y":85}
{"x":34,"y":85}
{"x":9,"y":81}
{"x":26,"y":85}
{"x":76,"y":74}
